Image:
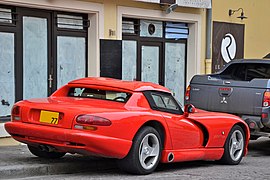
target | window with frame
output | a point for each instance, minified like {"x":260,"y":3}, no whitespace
{"x":82,"y":92}
{"x":163,"y":102}
{"x":246,"y":72}
{"x":167,"y":41}
{"x":61,"y":39}
{"x":7,"y":16}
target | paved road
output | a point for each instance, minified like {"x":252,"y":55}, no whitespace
{"x":255,"y":166}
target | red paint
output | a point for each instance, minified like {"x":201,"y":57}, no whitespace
{"x":183,"y":136}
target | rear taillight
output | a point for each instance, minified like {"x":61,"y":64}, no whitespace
{"x":93,"y":120}
{"x":266,"y":99}
{"x":16,"y":113}
{"x":187,"y":97}
{"x":264,"y":115}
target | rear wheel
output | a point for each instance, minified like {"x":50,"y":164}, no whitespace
{"x":45,"y":154}
{"x":234,"y":146}
{"x":145,"y":152}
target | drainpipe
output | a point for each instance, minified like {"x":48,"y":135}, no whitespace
{"x":208,"y":60}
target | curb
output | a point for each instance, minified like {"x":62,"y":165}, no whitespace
{"x":22,"y":171}
{"x":17,"y":162}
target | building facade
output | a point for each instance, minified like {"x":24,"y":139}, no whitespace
{"x":240,"y":30}
{"x":46,"y":43}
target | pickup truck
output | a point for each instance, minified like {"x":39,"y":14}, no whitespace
{"x":242,"y":88}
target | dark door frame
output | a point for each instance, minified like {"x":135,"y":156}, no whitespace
{"x":39,"y":14}
{"x":16,"y":27}
{"x":161,"y":59}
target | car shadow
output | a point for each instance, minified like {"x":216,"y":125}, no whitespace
{"x":259,"y":147}
{"x":184,"y":165}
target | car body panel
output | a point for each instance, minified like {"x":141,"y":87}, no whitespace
{"x":200,"y":135}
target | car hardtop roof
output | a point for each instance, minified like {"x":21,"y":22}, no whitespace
{"x":121,"y":84}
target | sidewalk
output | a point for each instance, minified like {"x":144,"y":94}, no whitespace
{"x":18,"y":162}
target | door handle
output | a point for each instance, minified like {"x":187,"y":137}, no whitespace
{"x":224,"y":94}
{"x":5,"y":103}
{"x":227,"y":82}
{"x":50,"y":81}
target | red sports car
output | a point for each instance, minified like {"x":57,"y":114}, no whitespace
{"x":138,"y":123}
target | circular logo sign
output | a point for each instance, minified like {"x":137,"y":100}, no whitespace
{"x":228,"y":47}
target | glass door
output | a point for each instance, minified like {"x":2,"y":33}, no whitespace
{"x":71,"y":58}
{"x":150,"y":62}
{"x":70,"y":47}
{"x":36,"y":53}
{"x":175,"y":55}
{"x":7,"y":74}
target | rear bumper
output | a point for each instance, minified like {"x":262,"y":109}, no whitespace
{"x":260,"y":121}
{"x":69,"y":140}
{"x":266,"y":120}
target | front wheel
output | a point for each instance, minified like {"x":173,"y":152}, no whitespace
{"x":144,"y":154}
{"x":234,"y":146}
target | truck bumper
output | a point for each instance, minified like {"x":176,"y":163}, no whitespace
{"x":266,"y":116}
{"x":254,"y":122}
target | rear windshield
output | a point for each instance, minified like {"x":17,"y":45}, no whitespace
{"x":246,"y":72}
{"x":99,"y":94}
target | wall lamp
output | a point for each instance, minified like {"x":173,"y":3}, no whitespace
{"x":242,"y":16}
{"x":171,"y":8}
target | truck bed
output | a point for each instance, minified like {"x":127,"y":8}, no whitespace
{"x":237,"y":89}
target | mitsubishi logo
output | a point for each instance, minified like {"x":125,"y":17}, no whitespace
{"x":223,"y":101}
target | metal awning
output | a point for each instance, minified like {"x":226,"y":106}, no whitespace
{"x":185,"y":3}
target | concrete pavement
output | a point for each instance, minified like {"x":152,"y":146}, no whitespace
{"x":8,"y":141}
{"x":18,"y":162}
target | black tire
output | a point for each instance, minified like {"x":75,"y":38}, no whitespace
{"x":234,"y":146}
{"x":144,"y":143}
{"x":45,"y":154}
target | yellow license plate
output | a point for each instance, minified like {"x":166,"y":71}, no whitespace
{"x":49,"y":117}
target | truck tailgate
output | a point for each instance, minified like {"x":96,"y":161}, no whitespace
{"x":237,"y":97}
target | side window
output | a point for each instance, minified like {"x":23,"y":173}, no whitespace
{"x":165,"y":102}
{"x":240,"y":73}
{"x":246,"y":72}
{"x":158,"y":101}
{"x":257,"y":71}
{"x":170,"y":103}
{"x":233,"y":71}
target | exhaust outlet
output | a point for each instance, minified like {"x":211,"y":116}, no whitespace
{"x":42,"y":147}
{"x":46,"y":148}
{"x":50,"y":148}
{"x":170,"y":157}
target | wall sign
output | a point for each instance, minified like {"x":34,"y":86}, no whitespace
{"x":228,"y":43}
{"x":194,"y":3}
{"x":228,"y":47}
{"x":185,"y":3}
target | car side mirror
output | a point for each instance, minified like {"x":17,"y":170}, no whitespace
{"x":189,"y":108}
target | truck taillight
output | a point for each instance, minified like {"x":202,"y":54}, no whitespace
{"x":93,"y":120}
{"x":16,"y":113}
{"x":266,"y":99}
{"x":187,"y":97}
